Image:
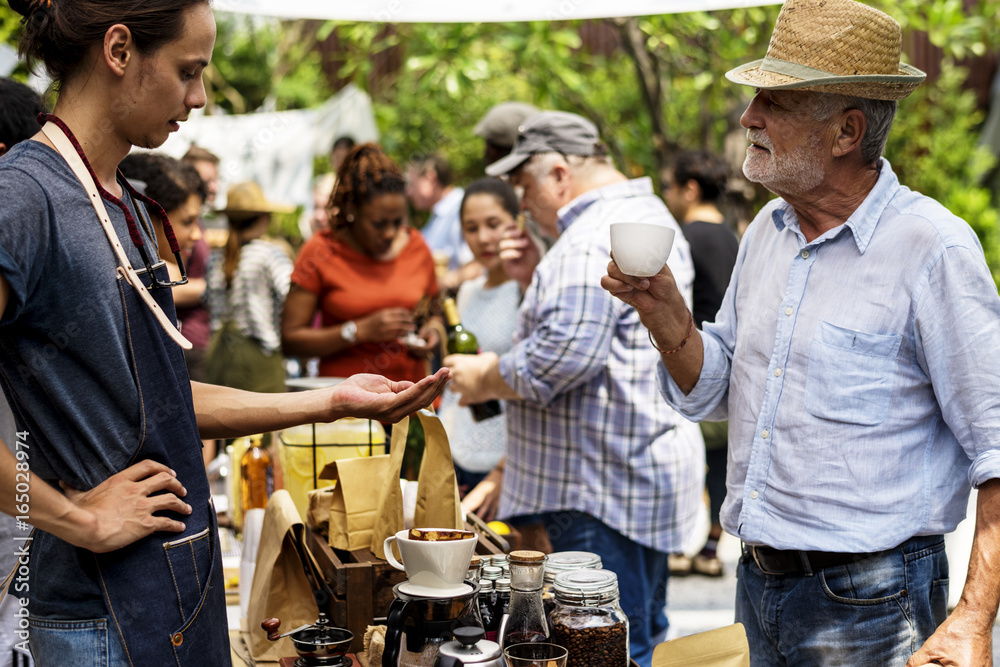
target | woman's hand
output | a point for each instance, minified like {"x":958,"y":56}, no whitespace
{"x":520,"y":254}
{"x":387,"y":324}
{"x":425,"y":342}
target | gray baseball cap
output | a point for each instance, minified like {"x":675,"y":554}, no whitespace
{"x":550,"y":132}
{"x":500,"y":124}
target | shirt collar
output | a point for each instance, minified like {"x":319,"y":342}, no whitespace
{"x":863,"y":221}
{"x":635,"y":187}
{"x":449,"y":202}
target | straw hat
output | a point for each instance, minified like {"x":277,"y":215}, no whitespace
{"x":246,"y":198}
{"x":833,"y":46}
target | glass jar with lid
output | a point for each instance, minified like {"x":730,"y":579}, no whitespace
{"x":565,"y":561}
{"x":587,"y":619}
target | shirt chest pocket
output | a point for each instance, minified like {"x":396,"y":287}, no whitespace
{"x":850,"y":376}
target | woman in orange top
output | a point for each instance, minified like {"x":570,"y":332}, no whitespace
{"x":365,"y":276}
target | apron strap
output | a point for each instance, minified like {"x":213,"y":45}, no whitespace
{"x":65,"y":148}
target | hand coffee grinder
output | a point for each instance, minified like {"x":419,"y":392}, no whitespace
{"x":417,"y":626}
{"x":320,"y":644}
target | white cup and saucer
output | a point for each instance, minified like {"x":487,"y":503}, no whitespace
{"x":435,"y":568}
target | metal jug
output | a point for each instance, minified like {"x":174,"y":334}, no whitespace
{"x":469,"y":648}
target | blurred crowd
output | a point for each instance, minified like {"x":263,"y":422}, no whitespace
{"x":364,"y":293}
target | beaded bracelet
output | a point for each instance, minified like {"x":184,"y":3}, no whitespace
{"x":683,"y":342}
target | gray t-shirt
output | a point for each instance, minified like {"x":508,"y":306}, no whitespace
{"x":66,"y":363}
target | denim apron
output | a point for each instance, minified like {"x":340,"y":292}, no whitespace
{"x":165,"y":593}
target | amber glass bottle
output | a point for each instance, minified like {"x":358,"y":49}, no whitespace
{"x":257,"y":474}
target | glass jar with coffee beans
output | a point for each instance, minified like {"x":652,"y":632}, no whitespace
{"x":587,"y":619}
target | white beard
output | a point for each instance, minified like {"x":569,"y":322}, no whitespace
{"x":794,"y":173}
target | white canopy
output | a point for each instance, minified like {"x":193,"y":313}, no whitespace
{"x":276,"y":149}
{"x":464,"y":11}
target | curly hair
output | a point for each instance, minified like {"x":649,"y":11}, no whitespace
{"x":366,"y":173}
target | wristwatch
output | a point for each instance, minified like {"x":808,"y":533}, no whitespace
{"x":349,"y":331}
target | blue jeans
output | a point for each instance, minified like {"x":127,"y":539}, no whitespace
{"x":878,"y":611}
{"x":642,"y":575}
{"x":92,"y":643}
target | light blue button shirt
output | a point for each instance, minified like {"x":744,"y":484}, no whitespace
{"x":860,"y":374}
{"x":443,"y":231}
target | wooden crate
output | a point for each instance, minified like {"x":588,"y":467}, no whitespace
{"x":362,"y":584}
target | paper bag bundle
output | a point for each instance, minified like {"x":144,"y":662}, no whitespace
{"x":366,"y":505}
{"x":346,"y":512}
{"x":280,"y":587}
{"x":723,"y":647}
{"x":437,"y":504}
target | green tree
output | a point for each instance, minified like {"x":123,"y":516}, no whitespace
{"x":662,"y":86}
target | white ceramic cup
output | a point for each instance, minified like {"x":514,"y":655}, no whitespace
{"x":641,"y":248}
{"x":432,"y":564}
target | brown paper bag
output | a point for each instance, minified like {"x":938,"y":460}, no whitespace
{"x":318,"y":513}
{"x":350,"y":507}
{"x":722,"y":647}
{"x":280,"y":587}
{"x":438,"y":505}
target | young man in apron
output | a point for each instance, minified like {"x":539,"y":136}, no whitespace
{"x":124,"y":567}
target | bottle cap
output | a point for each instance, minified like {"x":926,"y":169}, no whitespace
{"x":492,"y":573}
{"x":502,"y":585}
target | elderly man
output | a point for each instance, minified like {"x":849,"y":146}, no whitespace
{"x":591,"y":447}
{"x":855,"y":356}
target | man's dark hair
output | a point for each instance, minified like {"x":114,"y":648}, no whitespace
{"x":344,"y":142}
{"x":19,"y":106}
{"x":198,"y":154}
{"x":707,"y":170}
{"x":440,"y":166}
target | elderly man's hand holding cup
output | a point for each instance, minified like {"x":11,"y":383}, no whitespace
{"x":639,"y":276}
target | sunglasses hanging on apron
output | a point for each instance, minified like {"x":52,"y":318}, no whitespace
{"x":165,"y":593}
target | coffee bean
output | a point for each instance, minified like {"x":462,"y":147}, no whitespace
{"x":592,"y":640}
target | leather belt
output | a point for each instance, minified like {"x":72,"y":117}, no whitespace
{"x":777,"y":561}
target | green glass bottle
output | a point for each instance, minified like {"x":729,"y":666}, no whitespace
{"x":463,"y":341}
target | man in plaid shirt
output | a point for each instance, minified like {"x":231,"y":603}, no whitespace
{"x":592,"y":449}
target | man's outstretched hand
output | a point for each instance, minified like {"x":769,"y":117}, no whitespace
{"x":375,"y":397}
